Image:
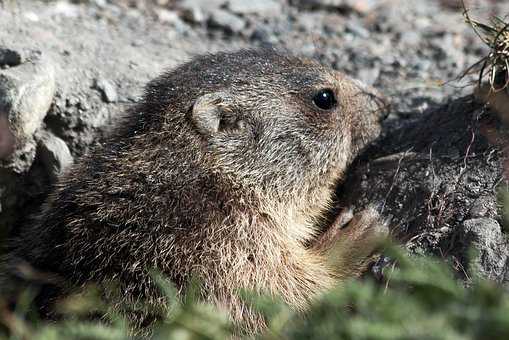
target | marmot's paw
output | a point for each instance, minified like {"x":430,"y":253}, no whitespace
{"x":367,"y":225}
{"x":331,"y":235}
{"x":357,"y":241}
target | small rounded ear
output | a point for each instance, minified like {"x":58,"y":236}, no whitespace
{"x":206,"y":113}
{"x":212,"y":114}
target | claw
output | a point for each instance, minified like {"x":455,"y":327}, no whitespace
{"x":344,"y":217}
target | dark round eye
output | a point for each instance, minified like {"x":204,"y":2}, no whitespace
{"x":325,"y":99}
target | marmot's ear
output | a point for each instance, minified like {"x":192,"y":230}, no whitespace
{"x":212,"y":114}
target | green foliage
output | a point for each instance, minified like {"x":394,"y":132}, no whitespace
{"x":420,"y":299}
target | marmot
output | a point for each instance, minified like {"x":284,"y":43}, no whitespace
{"x":221,"y":172}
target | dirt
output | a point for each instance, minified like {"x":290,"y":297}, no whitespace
{"x":433,"y":177}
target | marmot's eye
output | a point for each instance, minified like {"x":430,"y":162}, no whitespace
{"x":325,"y":99}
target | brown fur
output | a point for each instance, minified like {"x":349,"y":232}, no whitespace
{"x":233,"y":201}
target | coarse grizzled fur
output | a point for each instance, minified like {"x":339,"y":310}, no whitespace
{"x":221,"y":172}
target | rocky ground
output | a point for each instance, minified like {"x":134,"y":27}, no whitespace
{"x":68,"y":68}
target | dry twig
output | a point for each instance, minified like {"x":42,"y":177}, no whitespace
{"x":495,"y":65}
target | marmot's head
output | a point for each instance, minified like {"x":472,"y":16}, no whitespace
{"x":269,"y":121}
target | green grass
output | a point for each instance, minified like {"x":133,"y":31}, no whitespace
{"x":420,"y":299}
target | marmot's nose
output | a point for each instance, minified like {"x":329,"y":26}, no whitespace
{"x":372,"y":99}
{"x":379,"y":104}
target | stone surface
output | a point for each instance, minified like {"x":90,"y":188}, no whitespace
{"x":490,"y":246}
{"x":26,"y":93}
{"x":198,"y":11}
{"x":107,"y":89}
{"x":260,"y":7}
{"x":53,"y":153}
{"x":226,"y":20}
{"x":360,"y":6}
{"x":9,"y":57}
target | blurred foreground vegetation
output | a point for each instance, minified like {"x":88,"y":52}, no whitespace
{"x":419,"y":299}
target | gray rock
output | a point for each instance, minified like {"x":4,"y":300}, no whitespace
{"x":26,"y":93}
{"x":485,"y":236}
{"x":204,"y":4}
{"x":172,"y":18}
{"x":316,"y":3}
{"x":357,"y":30}
{"x":360,"y":6}
{"x":65,"y":9}
{"x":410,"y":38}
{"x":198,"y":11}
{"x":261,"y":7}
{"x":53,"y":153}
{"x":194,"y":15}
{"x":368,"y":75}
{"x":107,"y":89}
{"x":9,"y":57}
{"x":227,"y":21}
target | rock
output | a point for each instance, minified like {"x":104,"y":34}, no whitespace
{"x":368,"y":75}
{"x":485,"y":236}
{"x":53,"y":153}
{"x":198,"y":11}
{"x":65,"y":9}
{"x":410,"y":38}
{"x":260,"y":7}
{"x":204,"y":4}
{"x":165,"y":15}
{"x":312,"y":4}
{"x":194,"y":15}
{"x":360,"y":6}
{"x":261,"y":35}
{"x":26,"y":93}
{"x":107,"y":89}
{"x":9,"y":57}
{"x":357,"y":30}
{"x":227,"y":21}
{"x":172,"y":18}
